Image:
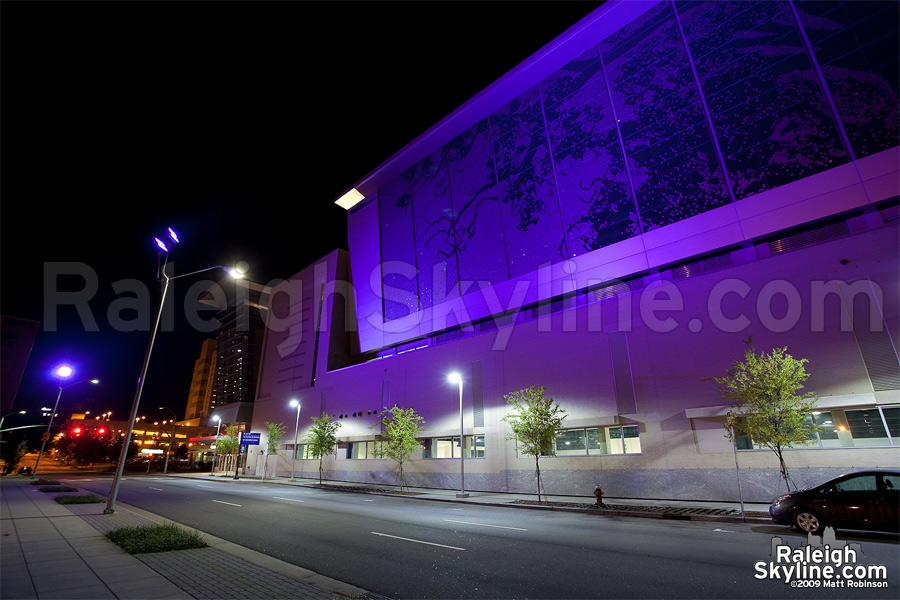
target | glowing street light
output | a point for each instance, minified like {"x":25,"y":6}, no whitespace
{"x":215,"y":450}
{"x":296,"y":431}
{"x":62,"y":372}
{"x":162,"y":275}
{"x":457,"y":378}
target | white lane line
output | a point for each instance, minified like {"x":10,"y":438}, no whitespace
{"x":228,"y":503}
{"x":209,"y":487}
{"x":485,"y":525}
{"x":157,"y":489}
{"x":368,"y":501}
{"x":290,"y":499}
{"x":397,"y":537}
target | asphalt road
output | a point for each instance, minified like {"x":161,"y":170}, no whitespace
{"x":406,"y":548}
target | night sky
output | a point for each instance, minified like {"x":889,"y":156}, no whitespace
{"x":237,"y":124}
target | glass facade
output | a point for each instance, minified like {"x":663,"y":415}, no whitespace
{"x":691,"y":106}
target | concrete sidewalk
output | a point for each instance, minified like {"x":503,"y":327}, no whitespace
{"x":59,"y":552}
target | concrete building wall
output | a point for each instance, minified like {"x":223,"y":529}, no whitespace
{"x":673,"y":339}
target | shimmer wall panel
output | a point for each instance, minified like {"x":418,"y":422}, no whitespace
{"x":434,"y":227}
{"x":398,"y":249}
{"x":768,"y":108}
{"x":674,"y":166}
{"x":478,"y":227}
{"x":594,"y":196}
{"x":856,"y":44}
{"x":532,"y":228}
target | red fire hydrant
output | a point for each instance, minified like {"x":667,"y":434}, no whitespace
{"x":598,"y":494}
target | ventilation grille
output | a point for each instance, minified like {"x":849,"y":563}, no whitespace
{"x":617,"y":289}
{"x":491,"y":324}
{"x":453,"y":334}
{"x":554,"y":306}
{"x":704,"y":265}
{"x":810,"y":237}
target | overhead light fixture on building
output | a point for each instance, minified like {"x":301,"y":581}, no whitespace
{"x":350,"y":199}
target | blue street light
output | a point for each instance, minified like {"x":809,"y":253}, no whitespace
{"x":164,"y":257}
{"x":62,"y":372}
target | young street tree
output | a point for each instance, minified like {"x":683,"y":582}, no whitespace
{"x":275,"y":433}
{"x":535,"y":422}
{"x":762,"y":390}
{"x":321,"y":439}
{"x":400,"y":428}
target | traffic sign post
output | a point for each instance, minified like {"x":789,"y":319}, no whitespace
{"x":245,"y":438}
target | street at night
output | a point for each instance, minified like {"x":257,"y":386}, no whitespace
{"x":408,"y":548}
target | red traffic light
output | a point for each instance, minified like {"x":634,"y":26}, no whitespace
{"x":101,"y":431}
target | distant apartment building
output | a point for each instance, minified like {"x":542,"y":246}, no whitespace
{"x":242,"y":307}
{"x":200,"y":398}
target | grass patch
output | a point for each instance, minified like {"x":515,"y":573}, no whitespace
{"x":155,"y":538}
{"x":84,"y":499}
{"x":43,"y":481}
{"x":58,"y":488}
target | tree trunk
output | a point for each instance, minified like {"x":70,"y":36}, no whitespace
{"x":783,"y":467}
{"x":537,"y":474}
{"x":321,"y":458}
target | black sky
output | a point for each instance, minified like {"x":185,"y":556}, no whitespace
{"x":236,"y":123}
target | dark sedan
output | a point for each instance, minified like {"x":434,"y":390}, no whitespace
{"x":861,"y":500}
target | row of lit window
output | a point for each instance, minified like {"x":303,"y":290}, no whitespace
{"x":877,"y":426}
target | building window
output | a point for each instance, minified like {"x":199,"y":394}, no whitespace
{"x":876,"y":426}
{"x":449,"y":447}
{"x":594,"y":441}
{"x":301,"y":451}
{"x":364,"y":450}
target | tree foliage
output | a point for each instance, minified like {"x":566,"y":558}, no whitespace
{"x":322,"y":439}
{"x":534,"y":421}
{"x":400,"y":431}
{"x":228,"y":443}
{"x":763,"y":392}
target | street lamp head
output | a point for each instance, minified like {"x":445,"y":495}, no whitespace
{"x":454,"y":377}
{"x":64,"y":371}
{"x":217,"y":418}
{"x":95,"y":381}
{"x":233,"y":273}
{"x":295,"y":403}
{"x":173,"y":236}
{"x":161,"y":245}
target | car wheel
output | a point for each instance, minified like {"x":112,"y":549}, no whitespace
{"x":808,"y":521}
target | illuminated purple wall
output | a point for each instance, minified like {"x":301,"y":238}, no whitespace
{"x":685,"y":108}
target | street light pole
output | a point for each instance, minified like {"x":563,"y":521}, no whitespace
{"x":457,"y":378}
{"x":171,"y":439}
{"x":63,"y":373}
{"x":296,"y":431}
{"x":215,"y":450}
{"x":117,"y":479}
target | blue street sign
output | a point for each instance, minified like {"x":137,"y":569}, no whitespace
{"x":249,"y":439}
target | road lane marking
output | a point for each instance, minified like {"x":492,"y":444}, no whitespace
{"x":209,"y":487}
{"x":229,"y":503}
{"x":368,"y":501}
{"x":290,"y":499}
{"x":157,"y":489}
{"x":485,"y":525}
{"x":397,"y":537}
